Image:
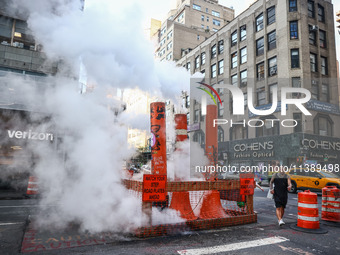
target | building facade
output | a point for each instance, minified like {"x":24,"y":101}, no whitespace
{"x":271,"y":45}
{"x":190,"y":24}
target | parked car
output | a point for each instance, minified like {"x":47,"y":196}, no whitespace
{"x":303,"y":179}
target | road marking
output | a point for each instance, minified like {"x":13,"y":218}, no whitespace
{"x":11,"y":223}
{"x":234,"y":246}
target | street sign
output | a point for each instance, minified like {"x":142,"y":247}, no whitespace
{"x":247,"y":184}
{"x":154,"y":188}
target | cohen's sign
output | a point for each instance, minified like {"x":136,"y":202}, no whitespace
{"x":30,"y":135}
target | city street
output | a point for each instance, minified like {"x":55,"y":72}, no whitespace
{"x":265,"y":236}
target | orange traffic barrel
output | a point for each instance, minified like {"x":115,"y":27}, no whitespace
{"x":308,"y":214}
{"x":211,"y":206}
{"x":330,"y":204}
{"x":180,"y":202}
{"x":32,"y":187}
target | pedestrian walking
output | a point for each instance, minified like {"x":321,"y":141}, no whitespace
{"x":282,"y":184}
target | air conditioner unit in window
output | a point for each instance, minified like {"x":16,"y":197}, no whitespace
{"x":314,"y":28}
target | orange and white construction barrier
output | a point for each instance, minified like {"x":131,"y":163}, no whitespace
{"x":308,"y":214}
{"x":330,"y":204}
{"x":32,"y":187}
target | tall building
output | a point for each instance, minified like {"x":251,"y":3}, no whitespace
{"x":192,"y":22}
{"x":271,"y":45}
{"x":338,"y":20}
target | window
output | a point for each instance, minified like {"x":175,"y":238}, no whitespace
{"x":213,"y":51}
{"x":295,"y":58}
{"x":311,"y":10}
{"x":202,"y":26}
{"x":294,"y":32}
{"x":234,"y":80}
{"x":259,"y":22}
{"x":169,"y":56}
{"x":197,"y":62}
{"x":243,"y":78}
{"x":220,"y":46}
{"x":199,"y":138}
{"x":298,"y":118}
{"x":312,"y":35}
{"x":180,"y":17}
{"x":271,"y":88}
{"x":220,"y":134}
{"x":234,"y":60}
{"x":323,"y":125}
{"x":313,"y":63}
{"x":234,"y":38}
{"x":269,"y":128}
{"x":322,"y":37}
{"x":272,"y":66}
{"x":207,"y":27}
{"x":238,"y":132}
{"x":197,"y":113}
{"x":296,"y":83}
{"x":292,"y":5}
{"x":215,"y":30}
{"x":261,"y":96}
{"x":206,"y":10}
{"x":169,"y":46}
{"x":198,"y":37}
{"x":188,"y":66}
{"x":196,"y":7}
{"x":213,"y":71}
{"x":272,"y":40}
{"x":260,"y":71}
{"x":215,"y":13}
{"x":243,"y":33}
{"x":271,"y":15}
{"x":221,"y":67}
{"x":216,"y":22}
{"x":202,"y":58}
{"x":169,"y":35}
{"x":321,"y":13}
{"x":202,"y":17}
{"x":324,"y":66}
{"x":260,"y":47}
{"x":221,"y":109}
{"x":324,"y":93}
{"x":315,"y":90}
{"x":243,"y":53}
{"x":207,"y":18}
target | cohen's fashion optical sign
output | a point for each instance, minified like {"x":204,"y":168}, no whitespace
{"x":30,"y":135}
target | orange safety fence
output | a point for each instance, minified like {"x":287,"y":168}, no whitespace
{"x":194,"y":205}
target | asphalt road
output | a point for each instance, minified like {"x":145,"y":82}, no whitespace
{"x":263,"y":237}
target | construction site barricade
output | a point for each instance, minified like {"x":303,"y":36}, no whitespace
{"x":330,"y":204}
{"x":308,"y":212}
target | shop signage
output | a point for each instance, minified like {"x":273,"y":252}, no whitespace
{"x":254,"y":150}
{"x":323,"y":107}
{"x":29,"y":135}
{"x":154,"y":188}
{"x":320,"y":144}
{"x":194,"y":127}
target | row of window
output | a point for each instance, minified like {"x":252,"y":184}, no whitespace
{"x":311,"y":9}
{"x":198,"y":8}
{"x":259,"y":21}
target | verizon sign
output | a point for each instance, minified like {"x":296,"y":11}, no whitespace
{"x":30,"y":135}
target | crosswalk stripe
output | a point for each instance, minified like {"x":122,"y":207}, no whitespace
{"x":234,"y":246}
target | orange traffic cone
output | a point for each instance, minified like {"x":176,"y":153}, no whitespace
{"x":32,"y":187}
{"x":212,"y":207}
{"x":181,"y":202}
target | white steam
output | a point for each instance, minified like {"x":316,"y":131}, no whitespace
{"x":86,"y":188}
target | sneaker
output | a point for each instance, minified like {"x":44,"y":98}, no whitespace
{"x":281,"y":222}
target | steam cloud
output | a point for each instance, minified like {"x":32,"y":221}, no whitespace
{"x":110,"y":44}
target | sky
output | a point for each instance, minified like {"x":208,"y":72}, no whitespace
{"x":159,"y":9}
